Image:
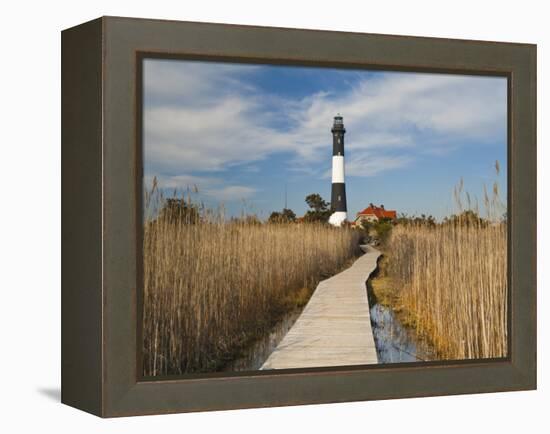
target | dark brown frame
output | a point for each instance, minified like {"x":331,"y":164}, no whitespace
{"x":101,"y":193}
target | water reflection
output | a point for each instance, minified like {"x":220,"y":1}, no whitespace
{"x":394,"y":342}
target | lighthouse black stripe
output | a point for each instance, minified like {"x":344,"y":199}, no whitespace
{"x":338,"y":148}
{"x":338,"y":142}
{"x":338,"y":197}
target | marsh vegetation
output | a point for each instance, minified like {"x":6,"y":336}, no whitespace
{"x":448,"y":280}
{"x":213,"y":285}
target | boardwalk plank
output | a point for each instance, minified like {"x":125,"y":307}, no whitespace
{"x":334,"y":328}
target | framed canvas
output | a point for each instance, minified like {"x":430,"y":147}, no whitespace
{"x":258,"y":216}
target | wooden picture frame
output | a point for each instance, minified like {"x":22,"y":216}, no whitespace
{"x":101,"y":193}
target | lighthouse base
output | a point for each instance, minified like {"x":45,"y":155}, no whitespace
{"x":337,"y":218}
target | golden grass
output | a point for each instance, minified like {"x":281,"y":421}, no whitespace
{"x":452,"y":281}
{"x":383,"y":286}
{"x":211,"y":287}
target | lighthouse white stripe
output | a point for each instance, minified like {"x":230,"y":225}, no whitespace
{"x":337,"y":168}
{"x":337,"y":218}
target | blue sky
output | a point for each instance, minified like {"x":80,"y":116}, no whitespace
{"x":243,"y":133}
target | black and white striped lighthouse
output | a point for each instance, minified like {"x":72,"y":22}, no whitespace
{"x":338,"y":198}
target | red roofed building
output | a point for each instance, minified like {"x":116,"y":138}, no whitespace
{"x":375,"y":213}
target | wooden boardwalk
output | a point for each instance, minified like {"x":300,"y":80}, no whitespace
{"x":334,"y":328}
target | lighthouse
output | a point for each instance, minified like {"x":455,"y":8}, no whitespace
{"x":338,"y":197}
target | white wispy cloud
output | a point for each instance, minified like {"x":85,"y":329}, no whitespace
{"x":208,"y":117}
{"x":170,"y":82}
{"x":231,"y":192}
{"x":204,"y":186}
{"x":367,"y":164}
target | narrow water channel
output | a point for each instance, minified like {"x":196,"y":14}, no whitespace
{"x":394,"y":342}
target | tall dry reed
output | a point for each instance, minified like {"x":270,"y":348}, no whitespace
{"x":212,"y":286}
{"x":453,"y":278}
{"x":453,"y":283}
